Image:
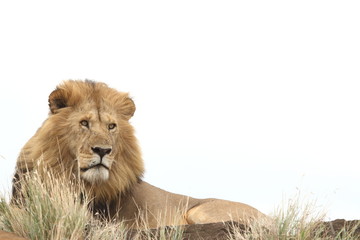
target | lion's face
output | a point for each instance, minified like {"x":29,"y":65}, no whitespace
{"x":96,"y":134}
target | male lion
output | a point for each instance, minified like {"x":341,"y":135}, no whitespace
{"x":88,"y":136}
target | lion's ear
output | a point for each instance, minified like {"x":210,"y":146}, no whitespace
{"x":128,"y":108}
{"x":57,"y":100}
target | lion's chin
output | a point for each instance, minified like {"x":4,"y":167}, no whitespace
{"x":95,"y":175}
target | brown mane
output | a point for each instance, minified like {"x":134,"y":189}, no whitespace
{"x":51,"y":146}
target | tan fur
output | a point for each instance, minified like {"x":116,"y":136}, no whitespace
{"x":86,"y":116}
{"x":10,"y":236}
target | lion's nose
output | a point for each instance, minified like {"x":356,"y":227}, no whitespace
{"x":101,"y":151}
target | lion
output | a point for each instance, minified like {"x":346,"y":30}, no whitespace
{"x":87,"y":136}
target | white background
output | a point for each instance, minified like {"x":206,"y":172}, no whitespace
{"x":242,"y":100}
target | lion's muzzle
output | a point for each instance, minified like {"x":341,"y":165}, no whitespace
{"x":97,"y":167}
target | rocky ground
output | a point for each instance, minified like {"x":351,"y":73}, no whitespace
{"x":334,"y":227}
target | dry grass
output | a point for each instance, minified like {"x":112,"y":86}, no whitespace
{"x":55,"y":211}
{"x":47,"y":211}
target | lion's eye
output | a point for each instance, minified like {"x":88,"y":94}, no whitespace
{"x":111,"y":126}
{"x":84,"y":123}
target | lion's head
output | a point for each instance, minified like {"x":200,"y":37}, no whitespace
{"x":88,"y":136}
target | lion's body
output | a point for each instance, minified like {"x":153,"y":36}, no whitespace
{"x":87,"y":137}
{"x":164,"y":208}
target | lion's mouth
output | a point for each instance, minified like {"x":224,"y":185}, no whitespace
{"x":94,"y":166}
